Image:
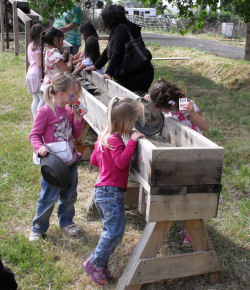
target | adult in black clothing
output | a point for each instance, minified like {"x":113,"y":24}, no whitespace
{"x":114,"y":19}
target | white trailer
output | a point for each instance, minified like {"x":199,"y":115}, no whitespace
{"x":143,"y":12}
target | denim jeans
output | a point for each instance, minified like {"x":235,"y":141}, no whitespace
{"x":109,"y":203}
{"x":49,"y":196}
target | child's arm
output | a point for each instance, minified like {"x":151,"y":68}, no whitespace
{"x":93,"y":159}
{"x":37,"y":132}
{"x":196,"y":117}
{"x":77,"y":122}
{"x":65,"y":67}
{"x":38,"y":59}
{"x":78,"y":69}
{"x":121,"y":154}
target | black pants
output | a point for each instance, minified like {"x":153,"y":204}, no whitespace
{"x":139,"y":81}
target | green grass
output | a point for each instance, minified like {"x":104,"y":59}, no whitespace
{"x":55,"y":262}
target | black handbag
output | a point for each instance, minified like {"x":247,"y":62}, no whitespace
{"x":136,"y":55}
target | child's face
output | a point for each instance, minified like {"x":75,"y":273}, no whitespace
{"x":58,"y":42}
{"x":64,"y":97}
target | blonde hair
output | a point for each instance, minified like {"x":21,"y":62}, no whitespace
{"x":77,"y":83}
{"x":122,"y":115}
{"x":60,"y":83}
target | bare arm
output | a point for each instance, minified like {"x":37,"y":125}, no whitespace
{"x":78,"y":69}
{"x":38,"y":59}
{"x":65,"y":67}
{"x":69,"y":27}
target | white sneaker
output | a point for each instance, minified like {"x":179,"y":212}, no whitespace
{"x":34,"y":236}
{"x":71,"y":230}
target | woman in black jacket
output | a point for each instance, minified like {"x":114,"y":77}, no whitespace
{"x":114,"y":19}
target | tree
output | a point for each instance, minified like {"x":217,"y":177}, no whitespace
{"x":196,"y":12}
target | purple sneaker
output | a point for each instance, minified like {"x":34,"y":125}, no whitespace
{"x":96,"y":274}
{"x":108,"y":274}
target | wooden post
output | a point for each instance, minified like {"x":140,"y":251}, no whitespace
{"x":27,"y":41}
{"x":15,"y":28}
{"x":2,"y":26}
{"x":7,"y":24}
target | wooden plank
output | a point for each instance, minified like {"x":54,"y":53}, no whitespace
{"x":178,"y":266}
{"x":7,"y":24}
{"x":142,"y":201}
{"x":201,"y":242}
{"x":109,"y":87}
{"x":169,"y":190}
{"x":24,"y":18}
{"x":181,"y":207}
{"x":186,"y":166}
{"x":151,"y":240}
{"x":32,"y":12}
{"x":2,"y":25}
{"x":183,"y":136}
{"x":27,"y":41}
{"x":15,"y":28}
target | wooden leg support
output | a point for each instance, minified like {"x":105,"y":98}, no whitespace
{"x":201,"y":242}
{"x":145,"y":267}
{"x":151,"y":240}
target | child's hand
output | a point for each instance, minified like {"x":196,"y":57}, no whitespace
{"x":188,"y":108}
{"x":43,"y":151}
{"x":147,"y":97}
{"x":137,"y":135}
{"x":78,"y":64}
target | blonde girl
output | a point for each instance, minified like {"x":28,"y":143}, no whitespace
{"x":112,"y":157}
{"x":55,"y":122}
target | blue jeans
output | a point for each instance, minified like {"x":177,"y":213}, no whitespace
{"x":49,"y":196}
{"x":109,"y":203}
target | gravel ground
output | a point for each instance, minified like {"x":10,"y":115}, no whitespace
{"x":212,"y":46}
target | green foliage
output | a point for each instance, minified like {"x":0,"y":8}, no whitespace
{"x":214,"y":17}
{"x":48,"y":8}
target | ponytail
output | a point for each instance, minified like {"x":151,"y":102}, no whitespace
{"x":48,"y":97}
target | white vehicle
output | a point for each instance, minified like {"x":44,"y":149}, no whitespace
{"x":143,"y":12}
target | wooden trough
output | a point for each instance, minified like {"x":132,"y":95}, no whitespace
{"x":179,"y":173}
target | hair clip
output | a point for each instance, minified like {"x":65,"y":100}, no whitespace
{"x":171,"y":102}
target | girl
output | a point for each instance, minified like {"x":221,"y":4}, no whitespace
{"x":53,"y":59}
{"x":165,"y":96}
{"x":56,"y":122}
{"x":86,"y":31}
{"x":92,"y":53}
{"x":34,"y":74}
{"x":112,"y":157}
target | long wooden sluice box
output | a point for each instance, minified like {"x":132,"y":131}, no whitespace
{"x":179,"y":172}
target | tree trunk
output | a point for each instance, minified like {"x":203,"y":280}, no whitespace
{"x":247,"y":51}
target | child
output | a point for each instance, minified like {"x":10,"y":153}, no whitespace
{"x":52,"y":58}
{"x":166,"y":97}
{"x":56,"y":122}
{"x":112,"y":157}
{"x":86,"y":31}
{"x":92,"y":53}
{"x":34,"y":74}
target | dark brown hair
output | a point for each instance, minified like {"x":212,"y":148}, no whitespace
{"x":35,"y":37}
{"x":92,"y":49}
{"x":88,"y":29}
{"x":164,"y":93}
{"x":113,"y":15}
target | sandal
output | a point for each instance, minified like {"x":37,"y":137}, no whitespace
{"x":96,"y":274}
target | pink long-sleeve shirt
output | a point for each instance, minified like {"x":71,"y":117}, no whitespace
{"x":55,"y":128}
{"x":114,"y":163}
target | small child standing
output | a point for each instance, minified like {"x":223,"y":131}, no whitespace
{"x":55,"y":122}
{"x":112,"y":157}
{"x":52,"y":59}
{"x":165,"y":96}
{"x":92,"y":53}
{"x":34,"y":73}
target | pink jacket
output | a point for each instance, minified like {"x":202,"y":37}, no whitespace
{"x":114,"y":163}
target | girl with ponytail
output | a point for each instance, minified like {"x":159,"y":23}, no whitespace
{"x":112,"y":157}
{"x":52,"y":59}
{"x":55,"y":122}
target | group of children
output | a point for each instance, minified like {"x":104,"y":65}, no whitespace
{"x":56,"y":121}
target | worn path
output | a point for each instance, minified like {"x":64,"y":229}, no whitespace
{"x":212,"y":46}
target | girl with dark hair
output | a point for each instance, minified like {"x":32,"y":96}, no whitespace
{"x":52,"y":58}
{"x":115,"y":20}
{"x":34,"y":73}
{"x":86,"y":30}
{"x":92,"y":53}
